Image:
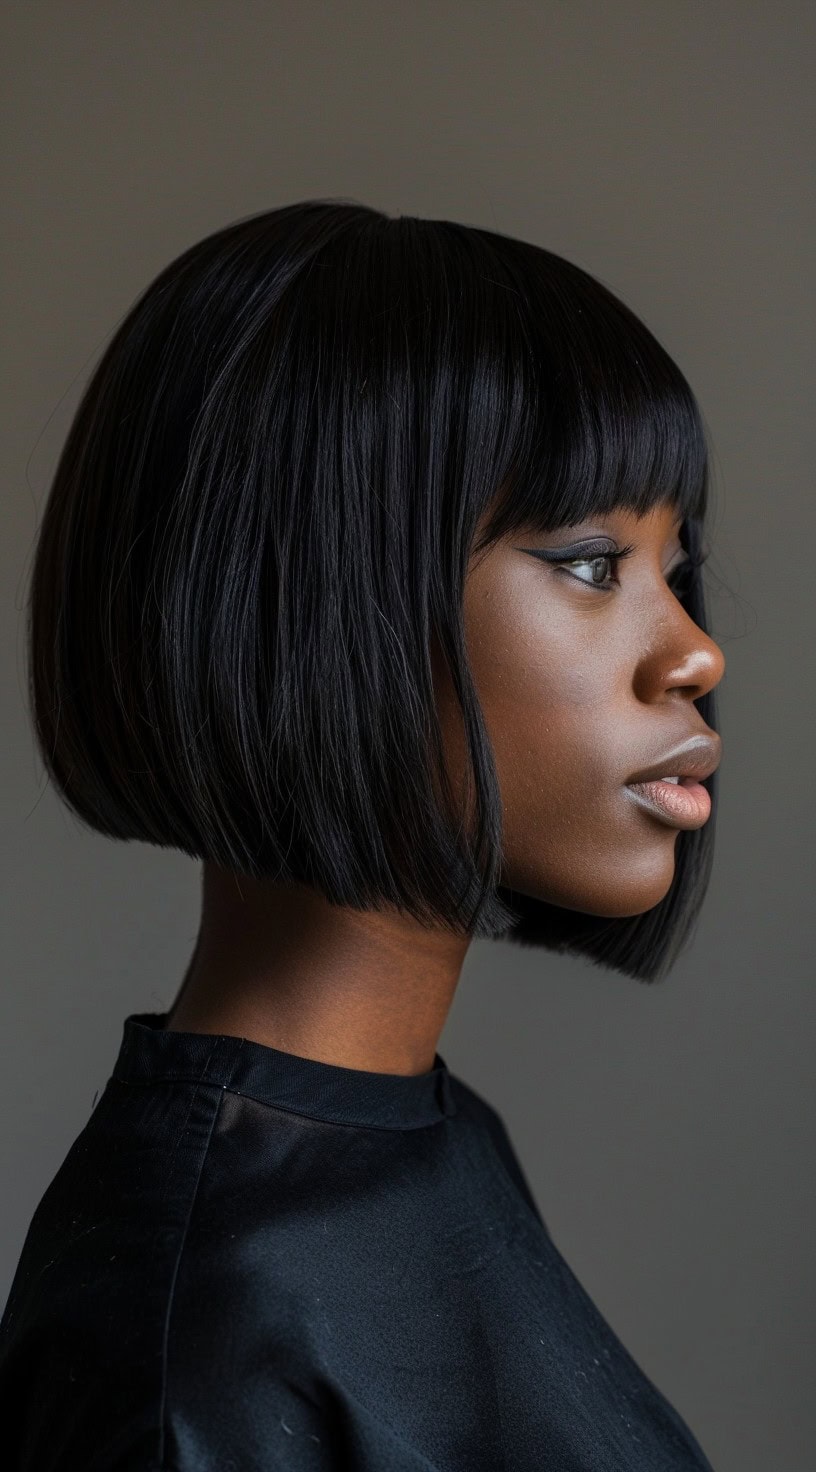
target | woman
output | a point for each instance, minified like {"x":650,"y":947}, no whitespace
{"x":370,"y":577}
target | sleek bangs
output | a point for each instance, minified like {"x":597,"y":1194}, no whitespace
{"x":258,"y":535}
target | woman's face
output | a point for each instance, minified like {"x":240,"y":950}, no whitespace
{"x":586,"y":675}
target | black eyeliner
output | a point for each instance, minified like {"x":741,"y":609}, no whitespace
{"x":580,"y":552}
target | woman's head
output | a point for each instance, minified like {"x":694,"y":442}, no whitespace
{"x":287,"y":614}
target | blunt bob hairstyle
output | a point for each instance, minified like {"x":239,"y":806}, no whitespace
{"x":257,"y":537}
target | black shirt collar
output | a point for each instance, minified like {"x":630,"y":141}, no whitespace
{"x":149,"y":1054}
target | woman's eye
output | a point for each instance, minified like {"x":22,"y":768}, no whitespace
{"x":602,"y":571}
{"x":598,"y":578}
{"x":600,"y":565}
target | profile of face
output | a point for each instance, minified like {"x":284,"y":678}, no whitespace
{"x":587,"y":673}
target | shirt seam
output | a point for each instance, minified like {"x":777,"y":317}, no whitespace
{"x":163,"y":1465}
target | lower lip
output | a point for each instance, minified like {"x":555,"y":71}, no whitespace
{"x":683,"y":804}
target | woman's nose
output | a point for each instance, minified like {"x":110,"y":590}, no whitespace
{"x":683,"y":658}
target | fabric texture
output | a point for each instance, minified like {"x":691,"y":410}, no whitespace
{"x":251,"y":1261}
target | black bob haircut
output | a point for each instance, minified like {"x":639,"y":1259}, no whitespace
{"x":259,"y":529}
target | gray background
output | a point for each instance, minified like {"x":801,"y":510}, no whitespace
{"x":668,"y":148}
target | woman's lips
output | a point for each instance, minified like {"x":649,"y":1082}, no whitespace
{"x":683,"y":804}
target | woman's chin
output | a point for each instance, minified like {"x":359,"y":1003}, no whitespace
{"x":624,"y":895}
{"x":640,"y":894}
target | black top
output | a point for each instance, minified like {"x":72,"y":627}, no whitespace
{"x":251,"y":1261}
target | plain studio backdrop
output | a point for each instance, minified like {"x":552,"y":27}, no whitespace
{"x":667,"y":148}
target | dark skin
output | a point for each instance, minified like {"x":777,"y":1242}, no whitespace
{"x":580,"y":686}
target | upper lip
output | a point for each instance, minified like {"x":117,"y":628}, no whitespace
{"x":698,"y":757}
